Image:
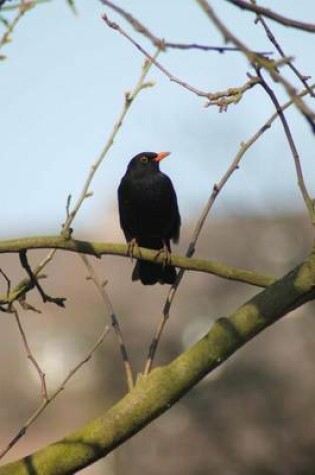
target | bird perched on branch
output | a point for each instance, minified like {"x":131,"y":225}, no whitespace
{"x":149,"y":215}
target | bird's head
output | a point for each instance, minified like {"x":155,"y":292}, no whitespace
{"x":146,"y":162}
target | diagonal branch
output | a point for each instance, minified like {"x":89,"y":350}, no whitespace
{"x":164,"y":386}
{"x":113,"y":318}
{"x":300,"y":25}
{"x":274,"y":41}
{"x":30,"y":355}
{"x":22,"y":9}
{"x":257,"y":60}
{"x":309,"y":202}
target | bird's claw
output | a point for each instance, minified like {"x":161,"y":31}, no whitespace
{"x":132,"y":245}
{"x":167,"y":256}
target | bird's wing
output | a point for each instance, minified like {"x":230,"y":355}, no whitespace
{"x":126,"y":211}
{"x":176,"y":220}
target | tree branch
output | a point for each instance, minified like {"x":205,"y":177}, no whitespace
{"x":113,"y":318}
{"x":276,"y":44}
{"x":259,"y":61}
{"x":162,"y":43}
{"x":221,"y":99}
{"x":50,"y":397}
{"x":300,"y":25}
{"x":22,"y":9}
{"x":309,"y":202}
{"x":60,"y":301}
{"x":164,"y":386}
{"x":30,"y":355}
{"x":17,"y":5}
{"x":99,"y":249}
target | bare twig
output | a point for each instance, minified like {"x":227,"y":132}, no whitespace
{"x":309,"y":202}
{"x":60,"y":301}
{"x":114,"y":320}
{"x":276,"y":44}
{"x":309,"y":27}
{"x":17,"y":5}
{"x":8,"y":281}
{"x":162,"y":43}
{"x":25,"y":285}
{"x":30,"y":355}
{"x":221,"y":99}
{"x":257,"y":60}
{"x":49,"y":398}
{"x":22,"y":9}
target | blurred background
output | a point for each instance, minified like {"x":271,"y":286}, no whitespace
{"x":62,"y":87}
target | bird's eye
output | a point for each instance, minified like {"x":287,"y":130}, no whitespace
{"x":144,"y":159}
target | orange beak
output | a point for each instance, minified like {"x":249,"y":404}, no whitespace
{"x":161,"y":155}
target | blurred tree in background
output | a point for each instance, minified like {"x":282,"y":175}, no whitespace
{"x":75,"y":389}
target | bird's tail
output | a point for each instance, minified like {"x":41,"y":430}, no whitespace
{"x":150,"y":273}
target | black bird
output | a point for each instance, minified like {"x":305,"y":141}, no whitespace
{"x":149,"y":215}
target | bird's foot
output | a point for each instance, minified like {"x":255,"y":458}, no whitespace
{"x":167,"y":256}
{"x":132,"y":245}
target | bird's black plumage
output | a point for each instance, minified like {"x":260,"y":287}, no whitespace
{"x":149,"y":214}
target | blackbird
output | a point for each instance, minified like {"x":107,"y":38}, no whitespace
{"x":149,"y":215}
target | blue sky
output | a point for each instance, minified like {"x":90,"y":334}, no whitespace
{"x":62,"y":88}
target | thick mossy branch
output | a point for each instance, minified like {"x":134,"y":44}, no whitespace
{"x":158,"y":391}
{"x":98,"y":249}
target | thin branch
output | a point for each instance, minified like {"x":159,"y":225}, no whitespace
{"x":276,"y":44}
{"x":23,"y":8}
{"x":8,"y":281}
{"x":309,"y":27}
{"x":113,"y":317}
{"x":309,"y":202}
{"x":16,"y":5}
{"x":257,"y":60}
{"x":60,"y":301}
{"x":128,"y":100}
{"x":46,"y":401}
{"x":221,"y":99}
{"x":30,"y":355}
{"x":162,"y":43}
